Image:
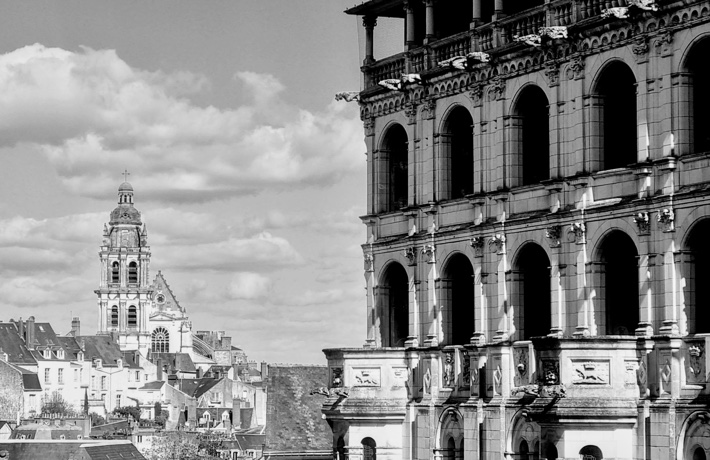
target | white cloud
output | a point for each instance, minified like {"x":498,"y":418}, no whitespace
{"x":92,"y":115}
{"x":248,"y":285}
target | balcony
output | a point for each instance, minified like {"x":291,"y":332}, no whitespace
{"x":496,"y":37}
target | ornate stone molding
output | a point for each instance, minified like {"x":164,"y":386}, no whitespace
{"x":410,"y":110}
{"x":369,"y":125}
{"x":476,"y":95}
{"x":666,"y":220}
{"x":663,"y":44}
{"x":477,"y":243}
{"x":369,"y":262}
{"x":449,"y":376}
{"x":579,"y":232}
{"x":496,"y":89}
{"x":553,"y":234}
{"x":411,"y":254}
{"x":429,"y":109}
{"x":497,"y":243}
{"x":643,"y":223}
{"x":640,"y":49}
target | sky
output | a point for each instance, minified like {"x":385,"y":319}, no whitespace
{"x":249,"y":176}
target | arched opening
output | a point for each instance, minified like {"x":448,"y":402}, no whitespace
{"x":132,"y":316}
{"x":393,"y":294}
{"x":697,"y":264}
{"x":114,"y":316}
{"x":699,"y":454}
{"x":115,"y":273}
{"x":617,"y":91}
{"x":531,"y":279}
{"x":699,"y":98}
{"x":160,"y":340}
{"x":369,"y":449}
{"x":590,"y":453}
{"x":533,"y":135}
{"x":450,"y":453}
{"x":550,"y":451}
{"x":457,"y":146}
{"x":133,"y":273}
{"x":394,"y":180}
{"x":457,"y":300}
{"x":619,"y":284}
{"x":523,"y":451}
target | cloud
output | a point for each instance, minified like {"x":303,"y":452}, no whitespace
{"x":92,"y":115}
{"x":249,"y":286}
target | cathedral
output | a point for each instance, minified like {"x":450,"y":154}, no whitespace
{"x":536,"y":257}
{"x":142,"y":315}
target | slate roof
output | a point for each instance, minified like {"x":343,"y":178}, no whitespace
{"x":293,"y":416}
{"x":45,"y":336}
{"x":12,"y":344}
{"x":196,"y":387}
{"x":154,"y":385}
{"x":180,"y":362}
{"x":47,"y":431}
{"x":67,"y":450}
{"x":101,"y":347}
{"x":246,"y":441}
{"x":30,"y":382}
{"x":111,"y":451}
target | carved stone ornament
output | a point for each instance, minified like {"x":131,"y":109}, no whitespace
{"x":411,"y":255}
{"x":575,"y":69}
{"x":428,"y":251}
{"x":590,"y":373}
{"x":521,"y":358}
{"x":640,"y":49}
{"x":666,"y":372}
{"x":477,"y":243}
{"x":476,"y":95}
{"x":336,"y":377}
{"x":550,"y":372}
{"x":429,"y":109}
{"x":663,"y":44}
{"x":642,"y":222}
{"x":554,"y":32}
{"x":426,"y":380}
{"x":366,"y":377}
{"x":410,"y":110}
{"x":553,"y":234}
{"x":534,"y":40}
{"x":496,"y":89}
{"x":369,"y":262}
{"x":621,"y":12}
{"x":497,"y":243}
{"x":449,"y":376}
{"x":552,"y":72}
{"x":666,"y":219}
{"x":498,"y":381}
{"x":466,"y":374}
{"x":369,"y":126}
{"x":696,"y":363}
{"x":578,"y":232}
{"x":630,"y":368}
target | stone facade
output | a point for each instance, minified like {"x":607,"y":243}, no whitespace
{"x":536,"y":235}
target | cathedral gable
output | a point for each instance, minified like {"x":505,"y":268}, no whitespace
{"x":164,"y":300}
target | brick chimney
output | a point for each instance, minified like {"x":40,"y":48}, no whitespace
{"x":21,"y":328}
{"x":159,"y":369}
{"x":75,"y":327}
{"x":30,"y":340}
{"x":264,"y":370}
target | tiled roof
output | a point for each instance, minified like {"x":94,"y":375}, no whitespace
{"x":111,"y":451}
{"x":30,"y":382}
{"x":196,"y":387}
{"x":45,"y":336}
{"x":178,"y":361}
{"x":12,"y":344}
{"x":293,"y":416}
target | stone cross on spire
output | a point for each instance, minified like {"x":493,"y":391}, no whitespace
{"x":125,"y":175}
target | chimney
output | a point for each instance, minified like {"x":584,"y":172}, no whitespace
{"x":264,"y":371}
{"x":75,"y":327}
{"x":21,"y":328}
{"x":159,"y":369}
{"x":30,"y":333}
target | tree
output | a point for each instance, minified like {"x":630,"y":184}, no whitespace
{"x":162,"y":418}
{"x":125,"y":411}
{"x":86,"y":402}
{"x":97,"y":420}
{"x":173,"y":445}
{"x":56,"y":405}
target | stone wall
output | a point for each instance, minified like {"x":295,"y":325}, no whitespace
{"x":11,"y":392}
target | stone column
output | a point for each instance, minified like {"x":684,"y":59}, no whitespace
{"x":381,"y":181}
{"x":409,"y":9}
{"x":369,"y":22}
{"x":444,"y":311}
{"x":682,"y":84}
{"x":381,"y":328}
{"x":557,"y":297}
{"x":480,"y":304}
{"x":645,"y":265}
{"x":499,"y":10}
{"x":430,"y":29}
{"x":477,"y":16}
{"x":370,"y":294}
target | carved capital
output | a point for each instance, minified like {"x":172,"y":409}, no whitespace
{"x":496,"y":89}
{"x":410,"y":110}
{"x":429,"y":251}
{"x":575,"y":69}
{"x":553,"y":234}
{"x":497,"y":243}
{"x":640,"y":49}
{"x":552,"y":72}
{"x":476,"y":95}
{"x":429,"y":109}
{"x":663,"y":43}
{"x":666,"y":220}
{"x":369,"y":262}
{"x":477,"y":243}
{"x":643,"y":223}
{"x":411,"y":254}
{"x":578,"y":232}
{"x":369,"y":125}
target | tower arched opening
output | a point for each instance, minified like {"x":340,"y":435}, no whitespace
{"x":457,"y":300}
{"x":616,"y":89}
{"x":618,"y":284}
{"x":531,"y":118}
{"x":393,"y":295}
{"x":394,"y":171}
{"x":457,"y":154}
{"x":532,"y":292}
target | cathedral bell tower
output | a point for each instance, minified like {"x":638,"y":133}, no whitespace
{"x":124,"y":290}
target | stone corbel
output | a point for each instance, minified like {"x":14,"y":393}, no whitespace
{"x":429,"y":109}
{"x":552,"y":72}
{"x":666,"y":220}
{"x":553,"y":234}
{"x":476,"y":95}
{"x":578,"y":232}
{"x":411,"y":254}
{"x":476,"y":244}
{"x":369,"y":126}
{"x":497,"y":243}
{"x":410,"y":110}
{"x":496,"y":89}
{"x":369,"y":262}
{"x":575,"y":69}
{"x":640,"y":49}
{"x":429,"y":251}
{"x":643,"y":223}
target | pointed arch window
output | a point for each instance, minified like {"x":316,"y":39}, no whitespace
{"x":160,"y":340}
{"x":133,"y":273}
{"x":115,"y":273}
{"x":114,"y":316}
{"x":132,"y":316}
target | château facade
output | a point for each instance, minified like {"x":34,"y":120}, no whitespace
{"x":537,"y":257}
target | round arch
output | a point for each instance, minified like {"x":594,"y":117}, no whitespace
{"x":392,"y":189}
{"x":531,"y":291}
{"x":523,"y":433}
{"x":694,"y":433}
{"x":450,"y":432}
{"x":456,"y":147}
{"x":457,"y":299}
{"x":695,"y":270}
{"x":392,"y":297}
{"x":530,"y":119}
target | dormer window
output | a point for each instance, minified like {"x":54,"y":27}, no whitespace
{"x":98,"y":364}
{"x":119,"y":363}
{"x":47,"y":353}
{"x":80,"y":356}
{"x":60,"y":354}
